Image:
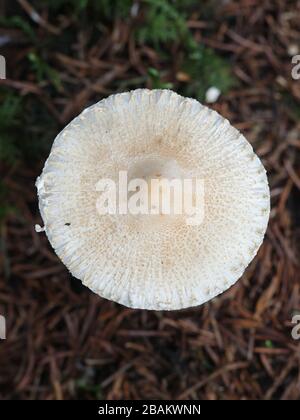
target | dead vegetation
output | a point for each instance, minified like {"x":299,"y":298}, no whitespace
{"x":63,"y":342}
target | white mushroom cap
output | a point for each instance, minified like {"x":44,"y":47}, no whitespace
{"x":154,"y":262}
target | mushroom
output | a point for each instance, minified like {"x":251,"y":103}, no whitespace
{"x":156,"y":261}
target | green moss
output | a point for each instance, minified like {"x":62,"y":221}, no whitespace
{"x":269,"y":344}
{"x":85,"y":385}
{"x":95,"y":9}
{"x":206,"y":69}
{"x":10,"y":124}
{"x":26,"y":128}
{"x":163,"y":23}
{"x":20,"y":23}
{"x":43,"y":71}
{"x":156,"y":80}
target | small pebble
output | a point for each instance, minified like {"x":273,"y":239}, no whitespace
{"x":212,"y":95}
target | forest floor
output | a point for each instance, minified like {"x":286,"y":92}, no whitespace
{"x":64,"y":342}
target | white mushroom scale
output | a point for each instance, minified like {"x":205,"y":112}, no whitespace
{"x":150,"y":261}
